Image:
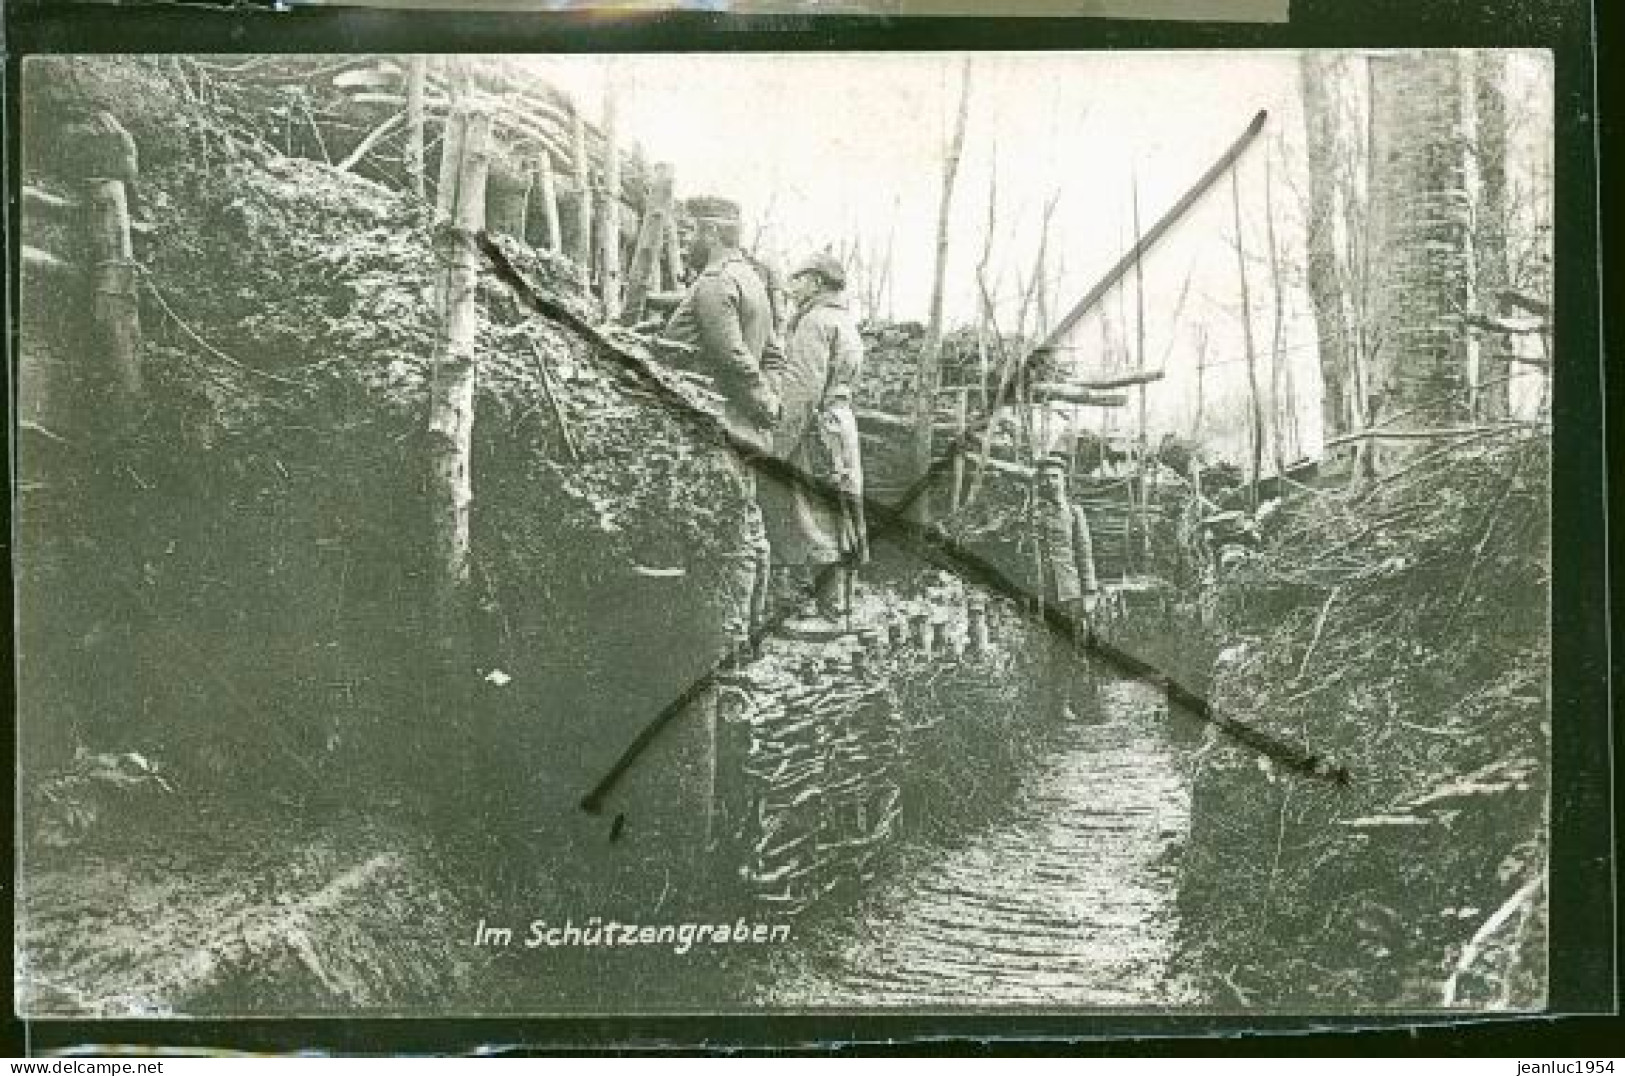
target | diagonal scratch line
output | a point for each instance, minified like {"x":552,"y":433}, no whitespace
{"x":886,"y":520}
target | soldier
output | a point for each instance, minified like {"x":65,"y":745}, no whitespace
{"x":727,"y":318}
{"x":1070,"y":585}
{"x":817,"y":436}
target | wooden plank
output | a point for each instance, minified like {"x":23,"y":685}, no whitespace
{"x":1078,"y":395}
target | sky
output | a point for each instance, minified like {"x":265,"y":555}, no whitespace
{"x":847,"y":151}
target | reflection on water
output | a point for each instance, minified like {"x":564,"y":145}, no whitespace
{"x":1072,"y":904}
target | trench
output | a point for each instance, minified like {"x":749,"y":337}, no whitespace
{"x":1066,"y":898}
{"x":1070,"y":903}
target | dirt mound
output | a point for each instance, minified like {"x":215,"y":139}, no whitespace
{"x":1400,"y":632}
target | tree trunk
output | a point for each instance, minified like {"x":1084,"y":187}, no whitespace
{"x":114,"y":307}
{"x":929,"y":375}
{"x":1490,"y":150}
{"x":460,"y":213}
{"x":552,"y":238}
{"x":417,"y":75}
{"x":674,"y":251}
{"x":583,"y":238}
{"x":1255,"y":412}
{"x":1421,"y":240}
{"x":611,"y":219}
{"x":1278,"y":401}
{"x":1322,"y":122}
{"x":645,"y":274}
{"x":1138,"y":517}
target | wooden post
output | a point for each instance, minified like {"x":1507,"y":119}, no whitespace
{"x":961,"y":423}
{"x":976,"y":640}
{"x":459,"y":217}
{"x":645,"y":274}
{"x":553,"y":238}
{"x":922,"y":633}
{"x":417,"y":73}
{"x":897,"y":632}
{"x":584,"y":199}
{"x":114,"y":309}
{"x":1143,"y":435}
{"x":610,"y":283}
{"x":674,"y":251}
{"x":874,"y":643}
{"x":723,"y":709}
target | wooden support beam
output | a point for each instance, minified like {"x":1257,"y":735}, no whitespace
{"x":40,"y":200}
{"x":114,"y":309}
{"x":583,"y":237}
{"x":553,"y":238}
{"x":674,"y":253}
{"x":644,"y":276}
{"x":36,"y":259}
{"x":610,"y":234}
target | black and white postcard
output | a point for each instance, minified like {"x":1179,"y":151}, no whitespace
{"x":920,"y":532}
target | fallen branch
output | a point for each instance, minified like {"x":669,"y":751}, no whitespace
{"x":211,"y":349}
{"x":553,"y":404}
{"x":366,"y":144}
{"x":1475,"y":945}
{"x":1320,"y":626}
{"x":1424,"y":435}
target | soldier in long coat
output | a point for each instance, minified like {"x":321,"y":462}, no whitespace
{"x":727,"y":318}
{"x":1066,"y":559}
{"x":809,"y":531}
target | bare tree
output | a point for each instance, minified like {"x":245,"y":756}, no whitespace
{"x":552,"y":236}
{"x":645,"y":275}
{"x":115,"y":313}
{"x":610,"y":237}
{"x":929,"y":374}
{"x":1333,"y":329}
{"x":1255,"y":427}
{"x":582,"y":248}
{"x":459,"y":215}
{"x":1279,"y":404}
{"x":417,"y":75}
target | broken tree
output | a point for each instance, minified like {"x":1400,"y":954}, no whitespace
{"x":459,"y":216}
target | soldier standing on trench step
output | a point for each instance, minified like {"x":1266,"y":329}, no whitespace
{"x":727,"y":318}
{"x":816,"y":528}
{"x":1067,"y":571}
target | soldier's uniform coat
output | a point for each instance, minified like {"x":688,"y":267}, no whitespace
{"x":817,"y":434}
{"x":727,"y":317}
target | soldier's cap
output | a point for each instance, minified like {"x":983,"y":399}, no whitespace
{"x":713,"y":210}
{"x":825,"y":265}
{"x":1052,"y":463}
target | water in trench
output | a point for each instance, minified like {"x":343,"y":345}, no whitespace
{"x":1069,"y":904}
